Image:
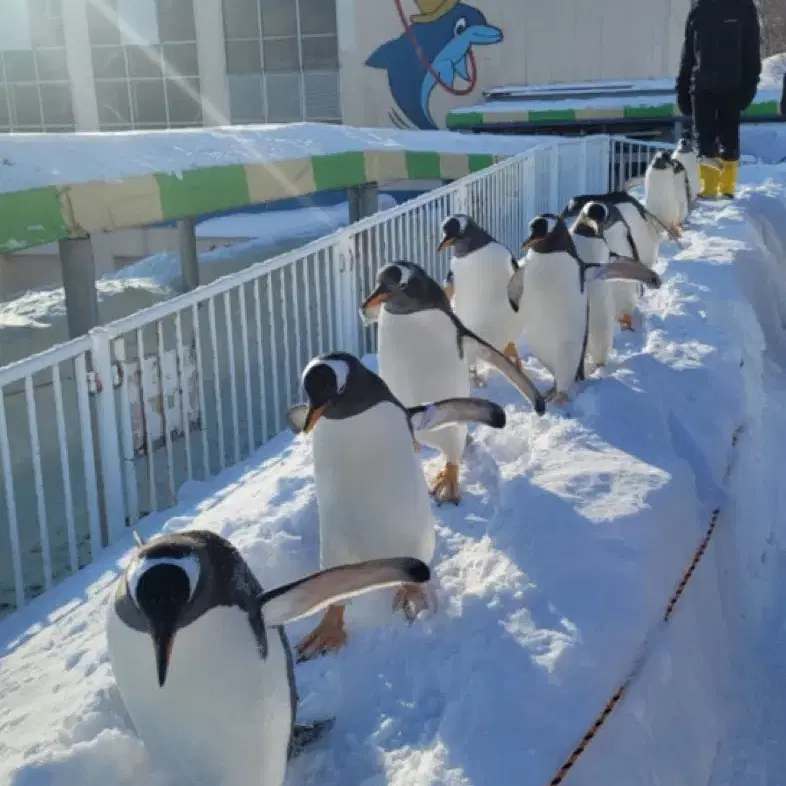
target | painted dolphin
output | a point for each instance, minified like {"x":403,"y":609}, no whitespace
{"x":445,"y":44}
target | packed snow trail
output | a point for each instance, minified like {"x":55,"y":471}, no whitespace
{"x":573,"y":530}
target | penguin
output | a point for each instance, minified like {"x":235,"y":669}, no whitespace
{"x":630,"y":230}
{"x":372,"y":496}
{"x":591,"y":246}
{"x":550,"y":288}
{"x":201,"y":659}
{"x":686,"y":154}
{"x":660,"y":191}
{"x":682,"y":185}
{"x":423,"y":357}
{"x":477,"y":283}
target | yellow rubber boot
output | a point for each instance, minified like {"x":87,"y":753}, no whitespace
{"x":727,"y":182}
{"x":710,"y":178}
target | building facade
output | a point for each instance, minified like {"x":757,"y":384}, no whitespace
{"x":107,"y":65}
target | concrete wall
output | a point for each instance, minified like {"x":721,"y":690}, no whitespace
{"x":541,"y":42}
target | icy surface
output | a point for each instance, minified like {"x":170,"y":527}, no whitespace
{"x":572,"y":535}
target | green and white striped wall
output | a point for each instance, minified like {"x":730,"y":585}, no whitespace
{"x":467,"y":117}
{"x":43,"y":215}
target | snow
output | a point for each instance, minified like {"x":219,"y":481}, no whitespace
{"x":572,"y":535}
{"x":36,"y":160}
{"x":37,"y":319}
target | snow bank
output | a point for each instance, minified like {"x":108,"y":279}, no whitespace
{"x":37,"y":320}
{"x":573,"y":532}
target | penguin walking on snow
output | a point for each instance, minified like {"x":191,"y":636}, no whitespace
{"x":685,"y":153}
{"x":630,"y":230}
{"x":423,"y":357}
{"x":661,"y":191}
{"x":591,"y":246}
{"x":551,"y":290}
{"x":371,"y":492}
{"x":201,"y":659}
{"x":480,"y":270}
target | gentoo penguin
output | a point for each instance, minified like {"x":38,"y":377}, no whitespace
{"x":686,"y":154}
{"x":630,"y":231}
{"x":591,"y":246}
{"x":477,"y":283}
{"x":422,"y":357}
{"x":682,"y":184}
{"x":550,"y":288}
{"x":660,"y":191}
{"x":371,"y":493}
{"x":202,"y":661}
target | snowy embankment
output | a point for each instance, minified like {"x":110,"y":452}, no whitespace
{"x":572,"y":535}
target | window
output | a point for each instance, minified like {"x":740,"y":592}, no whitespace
{"x":147,"y":69}
{"x":35,"y":88}
{"x":282,"y":60}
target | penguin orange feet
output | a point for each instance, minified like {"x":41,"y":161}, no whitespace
{"x":512,"y":353}
{"x":329,"y":636}
{"x":411,"y":599}
{"x":445,"y":486}
{"x":626,"y":322}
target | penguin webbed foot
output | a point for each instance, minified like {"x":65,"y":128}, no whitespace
{"x":411,"y":600}
{"x":445,"y":486}
{"x":512,"y":353}
{"x":305,"y":733}
{"x":626,"y":322}
{"x":552,"y":396}
{"x":329,"y":636}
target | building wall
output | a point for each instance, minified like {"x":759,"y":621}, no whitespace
{"x":385,"y":81}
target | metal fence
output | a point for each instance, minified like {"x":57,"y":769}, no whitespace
{"x":103,"y":430}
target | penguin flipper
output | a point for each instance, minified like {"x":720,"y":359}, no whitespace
{"x":508,"y":369}
{"x":303,"y":734}
{"x":296,"y":417}
{"x":438,"y":414}
{"x":516,"y":288}
{"x":625,"y":269}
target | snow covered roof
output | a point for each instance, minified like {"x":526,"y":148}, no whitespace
{"x":641,"y":98}
{"x":59,"y":185}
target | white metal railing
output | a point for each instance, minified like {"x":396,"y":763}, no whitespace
{"x":102,"y":430}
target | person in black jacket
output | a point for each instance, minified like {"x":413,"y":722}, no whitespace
{"x":718,"y":76}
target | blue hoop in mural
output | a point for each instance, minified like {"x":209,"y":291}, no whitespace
{"x":434,"y":49}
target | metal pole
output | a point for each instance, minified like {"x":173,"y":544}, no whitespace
{"x":79,"y":282}
{"x":189,"y":261}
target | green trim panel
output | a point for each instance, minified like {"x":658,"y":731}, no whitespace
{"x":43,"y":215}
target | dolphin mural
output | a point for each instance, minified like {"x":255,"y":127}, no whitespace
{"x":435,"y":48}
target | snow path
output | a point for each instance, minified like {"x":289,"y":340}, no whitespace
{"x":573,"y":531}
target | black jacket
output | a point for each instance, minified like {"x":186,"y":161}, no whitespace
{"x":721,"y":52}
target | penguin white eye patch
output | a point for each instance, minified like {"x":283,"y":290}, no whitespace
{"x":339,"y":368}
{"x":189,"y":564}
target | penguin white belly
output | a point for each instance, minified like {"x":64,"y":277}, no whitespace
{"x":555,"y":314}
{"x":600,"y":337}
{"x":481,"y":296}
{"x":223,"y":715}
{"x":690,"y":161}
{"x":371,"y":492}
{"x":681,"y":185}
{"x":419,"y":360}
{"x":661,"y":195}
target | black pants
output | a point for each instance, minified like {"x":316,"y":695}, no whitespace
{"x":716,"y":122}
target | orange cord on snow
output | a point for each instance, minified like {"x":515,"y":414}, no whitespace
{"x":639,"y":662}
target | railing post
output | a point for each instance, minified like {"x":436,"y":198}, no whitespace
{"x":347,"y":305}
{"x":460,"y":197}
{"x":108,"y":435}
{"x":554,"y":204}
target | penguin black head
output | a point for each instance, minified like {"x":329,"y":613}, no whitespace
{"x":662,"y":160}
{"x":337,"y":385}
{"x":404,"y":288}
{"x":685,"y":145}
{"x":544,"y":228}
{"x":162,"y":581}
{"x":463,"y":234}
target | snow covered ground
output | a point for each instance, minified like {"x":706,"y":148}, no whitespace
{"x":573,"y":532}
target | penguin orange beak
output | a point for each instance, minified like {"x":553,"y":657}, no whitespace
{"x":375,"y":299}
{"x":314,"y":414}
{"x":447,"y":242}
{"x":527,"y":243}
